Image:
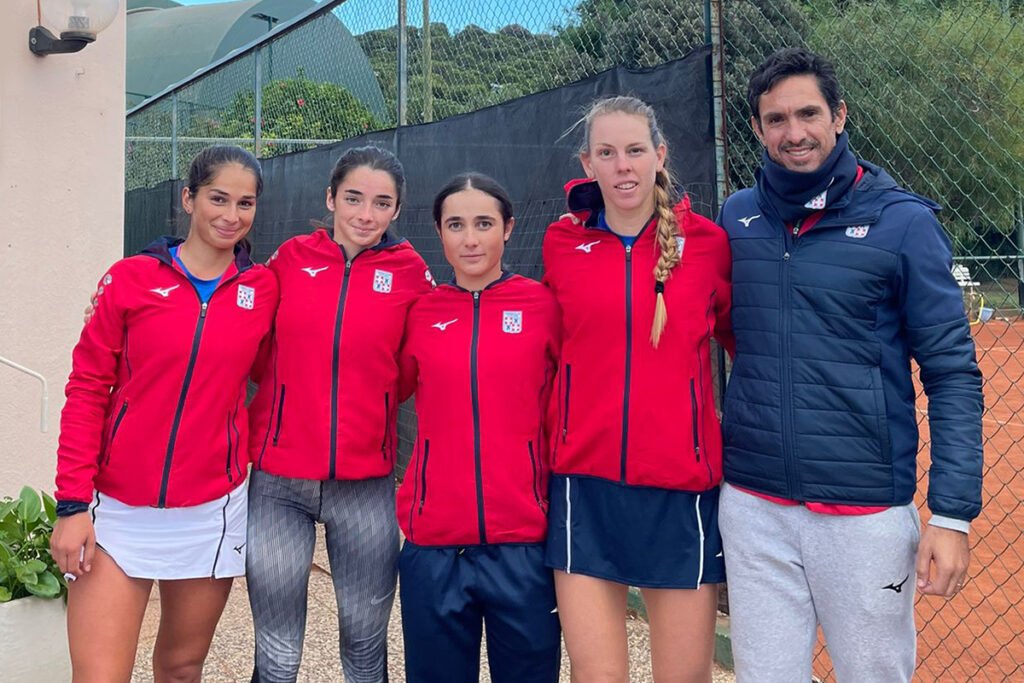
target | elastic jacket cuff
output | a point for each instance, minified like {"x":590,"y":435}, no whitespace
{"x":66,"y":508}
{"x":960,"y":525}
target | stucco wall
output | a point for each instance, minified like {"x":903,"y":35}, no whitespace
{"x":61,"y":214}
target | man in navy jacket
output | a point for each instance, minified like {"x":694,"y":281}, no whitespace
{"x":840,"y":279}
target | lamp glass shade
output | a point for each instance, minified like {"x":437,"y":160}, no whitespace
{"x":82,"y":18}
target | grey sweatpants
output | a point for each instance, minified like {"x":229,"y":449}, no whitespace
{"x":789,"y":570}
{"x":362,"y":545}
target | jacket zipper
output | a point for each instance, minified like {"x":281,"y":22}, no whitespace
{"x":475,"y":392}
{"x":533,"y":465}
{"x":629,"y":360}
{"x":387,"y":425}
{"x":423,"y":475}
{"x":280,"y":415}
{"x":113,"y":431}
{"x":335,"y":364}
{"x":693,"y":415}
{"x":788,"y":459}
{"x":565,"y":411}
{"x":181,"y":404}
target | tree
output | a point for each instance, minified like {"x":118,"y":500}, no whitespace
{"x":938,"y":99}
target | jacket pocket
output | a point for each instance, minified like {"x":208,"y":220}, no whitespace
{"x":387,"y":425}
{"x":423,"y":475}
{"x":881,"y":418}
{"x":536,"y":477}
{"x":113,"y":430}
{"x":565,"y":404}
{"x":231,"y":447}
{"x":695,"y":420}
{"x":280,"y":415}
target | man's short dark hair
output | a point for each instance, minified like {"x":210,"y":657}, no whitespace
{"x":793,"y":61}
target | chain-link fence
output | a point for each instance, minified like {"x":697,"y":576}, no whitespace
{"x":935,"y":90}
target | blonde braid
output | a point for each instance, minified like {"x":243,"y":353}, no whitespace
{"x":668,"y":229}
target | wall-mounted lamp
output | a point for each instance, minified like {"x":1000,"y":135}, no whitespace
{"x":77,"y":20}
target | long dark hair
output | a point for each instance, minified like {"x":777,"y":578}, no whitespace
{"x":474,"y":181}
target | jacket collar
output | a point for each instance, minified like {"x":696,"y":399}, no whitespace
{"x":160,"y":249}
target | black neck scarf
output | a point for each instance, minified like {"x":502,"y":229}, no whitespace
{"x":795,"y":195}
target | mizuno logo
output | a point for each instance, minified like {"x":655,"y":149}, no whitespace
{"x":238,"y":548}
{"x":313,"y":271}
{"x":165,"y":292}
{"x":747,"y":220}
{"x":444,"y":326}
{"x":896,"y":587}
{"x":587,"y":246}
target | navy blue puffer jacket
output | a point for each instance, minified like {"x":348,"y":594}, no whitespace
{"x":821,"y":403}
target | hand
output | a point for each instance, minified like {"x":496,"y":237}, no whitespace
{"x":942,"y":560}
{"x":89,"y":310}
{"x":73,"y":544}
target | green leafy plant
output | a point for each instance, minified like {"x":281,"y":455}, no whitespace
{"x":26,"y":567}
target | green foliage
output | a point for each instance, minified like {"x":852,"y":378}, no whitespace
{"x":292,"y":109}
{"x":26,"y":567}
{"x":937,"y":98}
{"x":473,"y":68}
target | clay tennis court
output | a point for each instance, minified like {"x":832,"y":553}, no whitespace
{"x":979,"y":635}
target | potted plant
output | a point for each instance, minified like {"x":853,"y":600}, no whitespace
{"x":32,"y":623}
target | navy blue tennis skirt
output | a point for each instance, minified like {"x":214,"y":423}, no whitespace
{"x":635,"y":535}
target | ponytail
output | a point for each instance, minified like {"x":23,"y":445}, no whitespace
{"x":669,"y":257}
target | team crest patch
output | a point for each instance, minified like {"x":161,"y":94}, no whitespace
{"x":817,"y":203}
{"x":512,"y":322}
{"x":382,"y":281}
{"x":107,"y":279}
{"x":858,"y":231}
{"x":246,"y":297}
{"x":680,"y":243}
{"x":430,"y":277}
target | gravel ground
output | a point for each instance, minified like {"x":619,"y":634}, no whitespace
{"x":230,"y":657}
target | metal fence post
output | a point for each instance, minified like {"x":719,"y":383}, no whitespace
{"x":403,"y":63}
{"x":174,"y":135}
{"x":258,"y":108}
{"x":713,"y":11}
{"x":428,"y":86}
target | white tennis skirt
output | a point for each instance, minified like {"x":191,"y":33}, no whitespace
{"x":200,"y":541}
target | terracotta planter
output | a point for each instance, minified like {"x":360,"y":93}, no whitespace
{"x":35,"y":641}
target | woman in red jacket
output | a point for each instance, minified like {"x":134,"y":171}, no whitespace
{"x":152,"y":458}
{"x":480,"y":354}
{"x":324,"y":423}
{"x":643,"y":287}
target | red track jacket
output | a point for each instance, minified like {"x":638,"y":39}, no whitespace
{"x":482,"y":365}
{"x":629,"y":412}
{"x":326,"y":406}
{"x":155,"y":411}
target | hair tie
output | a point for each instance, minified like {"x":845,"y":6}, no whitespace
{"x":659,"y":287}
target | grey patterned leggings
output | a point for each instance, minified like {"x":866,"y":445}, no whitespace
{"x":362,"y":544}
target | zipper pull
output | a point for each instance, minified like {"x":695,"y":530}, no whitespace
{"x":476,"y":299}
{"x":629,"y":252}
{"x":202,"y":310}
{"x":785,"y":257}
{"x":348,"y":266}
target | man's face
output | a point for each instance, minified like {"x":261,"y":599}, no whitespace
{"x":796,"y":126}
